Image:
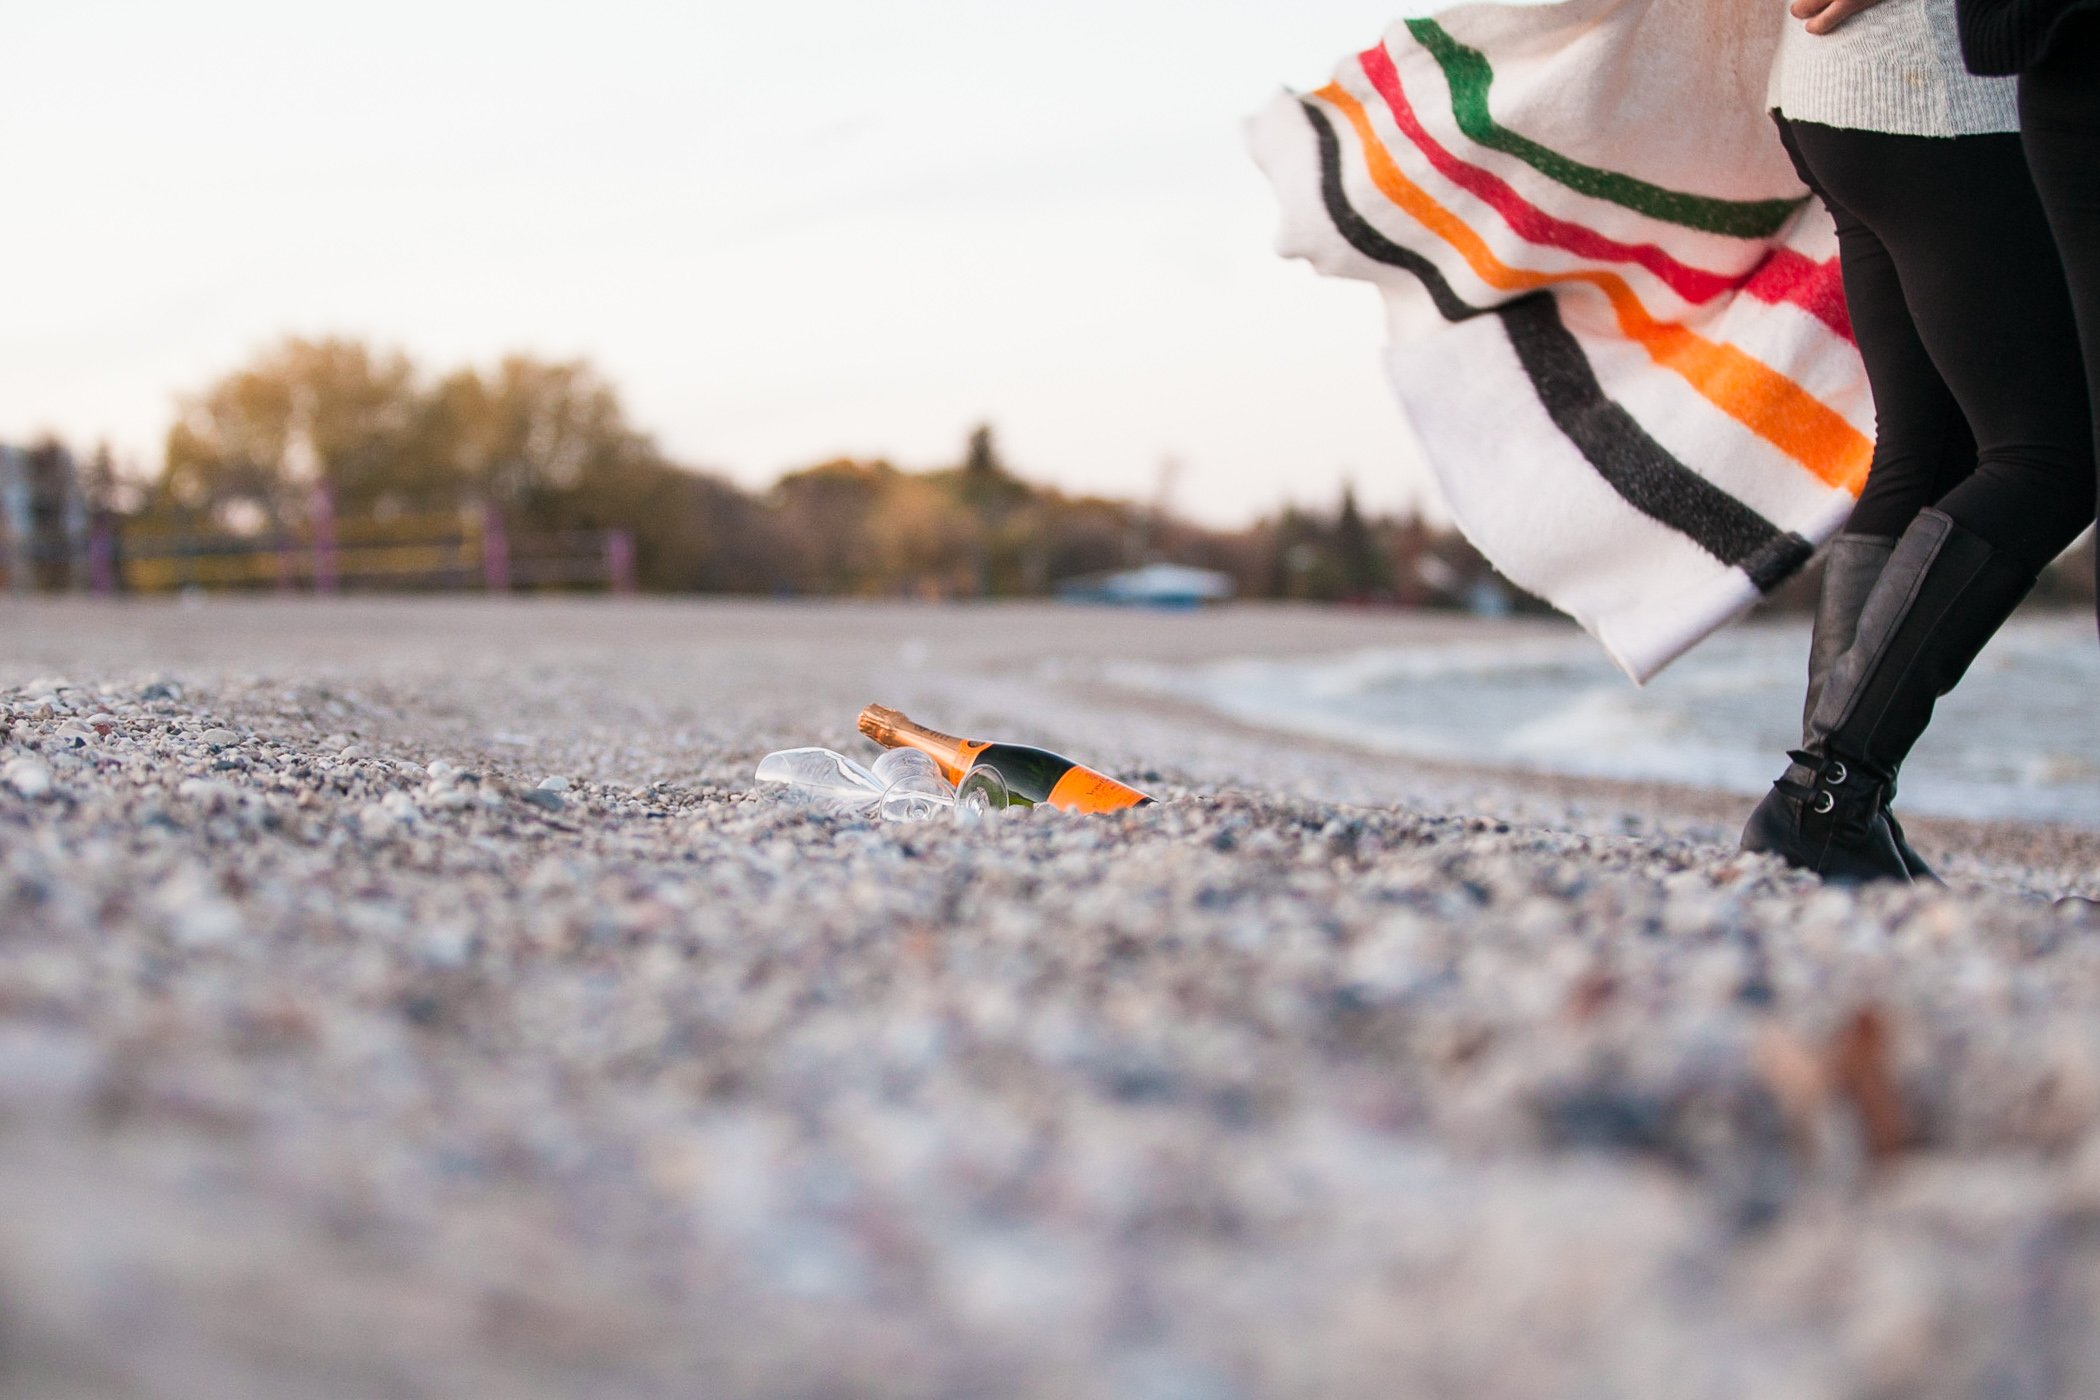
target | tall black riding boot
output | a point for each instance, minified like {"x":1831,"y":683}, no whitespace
{"x":1851,"y":566}
{"x":1942,"y":595}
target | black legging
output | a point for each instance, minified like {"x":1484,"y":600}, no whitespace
{"x":1959,"y":304}
{"x":2060,"y":128}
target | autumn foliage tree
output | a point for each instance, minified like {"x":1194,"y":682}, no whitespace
{"x":546,"y":444}
{"x":306,"y":411}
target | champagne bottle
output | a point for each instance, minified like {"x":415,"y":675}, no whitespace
{"x":1031,"y":775}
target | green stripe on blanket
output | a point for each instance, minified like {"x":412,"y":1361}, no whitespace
{"x":1471,"y":76}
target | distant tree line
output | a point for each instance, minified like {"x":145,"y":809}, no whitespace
{"x":549,"y":446}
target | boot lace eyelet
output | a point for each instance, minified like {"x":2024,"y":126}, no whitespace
{"x":1825,"y":803}
{"x":1836,"y":774}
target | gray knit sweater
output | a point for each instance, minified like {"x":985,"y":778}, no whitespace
{"x":1895,"y":68}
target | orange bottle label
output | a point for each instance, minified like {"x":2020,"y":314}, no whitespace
{"x":965,"y":755}
{"x":1083,"y":790}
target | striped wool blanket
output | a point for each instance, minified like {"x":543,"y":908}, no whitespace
{"x":1617,"y":322}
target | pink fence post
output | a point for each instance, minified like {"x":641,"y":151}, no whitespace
{"x":495,"y":551}
{"x":619,"y":560}
{"x":325,"y":576}
{"x":287,"y":561}
{"x":102,"y":558}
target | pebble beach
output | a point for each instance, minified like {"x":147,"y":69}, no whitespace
{"x":417,"y":998}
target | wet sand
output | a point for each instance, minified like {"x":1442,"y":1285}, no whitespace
{"x":323,"y":1072}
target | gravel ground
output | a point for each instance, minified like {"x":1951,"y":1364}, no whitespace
{"x":339,"y":1056}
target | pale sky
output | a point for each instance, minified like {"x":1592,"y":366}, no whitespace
{"x":786,"y":233}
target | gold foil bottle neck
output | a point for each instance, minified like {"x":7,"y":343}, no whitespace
{"x":894,"y":729}
{"x":879,"y":723}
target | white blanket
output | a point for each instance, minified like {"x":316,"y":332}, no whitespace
{"x":1617,"y":320}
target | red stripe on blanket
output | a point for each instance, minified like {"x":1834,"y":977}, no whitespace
{"x":1527,"y":219}
{"x":1783,"y":276}
{"x":1816,"y":287}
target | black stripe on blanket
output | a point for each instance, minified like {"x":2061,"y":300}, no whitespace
{"x":1634,"y":464}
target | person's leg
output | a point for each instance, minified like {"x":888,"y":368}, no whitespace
{"x":1976,"y":262}
{"x":1922,"y":443}
{"x":1957,"y":458}
{"x":1963,"y":230}
{"x":2060,"y":130}
{"x":1922,"y":448}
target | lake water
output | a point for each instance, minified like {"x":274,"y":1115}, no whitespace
{"x":2020,"y":737}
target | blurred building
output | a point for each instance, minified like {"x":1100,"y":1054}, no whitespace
{"x":44,"y":520}
{"x":1155,"y":585}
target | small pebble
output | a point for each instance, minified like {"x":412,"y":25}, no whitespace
{"x":219,"y":738}
{"x":198,"y":917}
{"x":209,"y":792}
{"x":448,"y":945}
{"x":28,"y":777}
{"x":554,"y":784}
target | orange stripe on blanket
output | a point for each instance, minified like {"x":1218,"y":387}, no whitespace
{"x":1747,"y":390}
